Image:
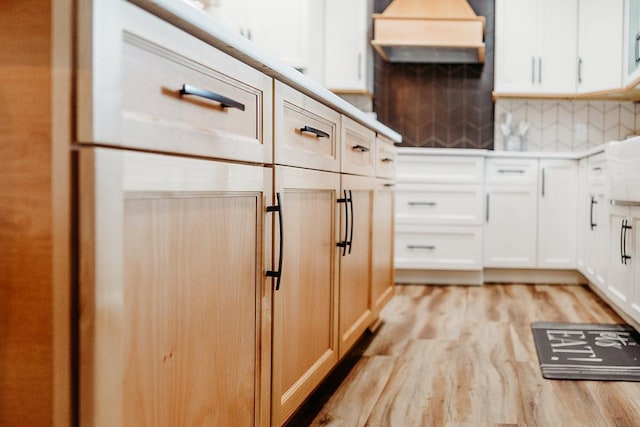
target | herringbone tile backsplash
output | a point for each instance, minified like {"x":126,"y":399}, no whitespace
{"x":567,"y":125}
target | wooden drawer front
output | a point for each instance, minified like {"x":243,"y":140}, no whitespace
{"x":512,"y":171}
{"x":307,"y":132}
{"x":358,"y":148}
{"x":157,"y":116}
{"x":597,"y":170}
{"x":444,"y":204}
{"x":440,"y":169}
{"x":438,"y":248}
{"x":385,"y":158}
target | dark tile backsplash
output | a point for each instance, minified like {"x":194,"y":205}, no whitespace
{"x":439,"y":105}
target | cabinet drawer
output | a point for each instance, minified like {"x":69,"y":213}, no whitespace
{"x":438,"y":248}
{"x":596,"y":169}
{"x":444,"y":204}
{"x":512,"y":171}
{"x":306,"y":130}
{"x":358,"y":148}
{"x":161,"y":89}
{"x":440,"y":169}
{"x":385,"y":158}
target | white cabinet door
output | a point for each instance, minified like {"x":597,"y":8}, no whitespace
{"x":632,"y":40}
{"x":557,"y":212}
{"x":633,"y":246}
{"x":619,"y":268}
{"x":584,"y":212}
{"x":516,"y":45}
{"x":510,"y":227}
{"x":348,"y":56}
{"x":600,"y":31}
{"x":536,"y":46}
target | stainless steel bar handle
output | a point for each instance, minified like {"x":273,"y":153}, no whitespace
{"x":422,"y":203}
{"x":487,"y":208}
{"x":580,"y":70}
{"x":543,"y":182}
{"x":539,"y":69}
{"x":511,"y":171}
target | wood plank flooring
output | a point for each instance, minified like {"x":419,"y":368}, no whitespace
{"x":458,"y":356}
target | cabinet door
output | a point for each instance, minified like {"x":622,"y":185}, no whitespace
{"x":355,"y":260}
{"x":601,"y":226}
{"x":557,"y":212}
{"x":584,"y":215}
{"x":305,"y":325}
{"x":511,"y":226}
{"x":172,"y":287}
{"x":633,"y":245}
{"x":382,"y":278}
{"x":632,"y":40}
{"x":348,"y":65}
{"x":600,"y":32}
{"x":516,"y":38}
{"x":619,"y":269}
{"x":558,"y":35}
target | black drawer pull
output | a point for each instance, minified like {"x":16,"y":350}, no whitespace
{"x":317,"y":132}
{"x":386,"y":160}
{"x":223,"y":100}
{"x":360,"y":148}
{"x":426,"y":247}
{"x":278,"y":273}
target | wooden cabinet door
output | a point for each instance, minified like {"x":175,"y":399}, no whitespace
{"x":511,"y":226}
{"x":557,"y":212}
{"x":382,"y":274}
{"x":305,"y":311}
{"x":171,"y":290}
{"x":355,"y":260}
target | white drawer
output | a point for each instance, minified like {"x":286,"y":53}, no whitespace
{"x":512,"y":171}
{"x":438,"y":248}
{"x":596,"y":169}
{"x":439,"y":204}
{"x":440,"y":169}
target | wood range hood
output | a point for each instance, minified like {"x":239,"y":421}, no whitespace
{"x":429,"y":31}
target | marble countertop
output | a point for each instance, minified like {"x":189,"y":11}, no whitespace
{"x":210,"y":30}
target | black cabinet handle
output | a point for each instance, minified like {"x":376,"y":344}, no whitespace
{"x":593,"y":202}
{"x":487,"y":212}
{"x":386,"y":160}
{"x":353,"y":220}
{"x":623,"y":240}
{"x":637,"y":50}
{"x":223,"y":100}
{"x":278,"y":273}
{"x":426,"y":247}
{"x":389,"y":185}
{"x":317,"y":132}
{"x":361,"y":148}
{"x":343,"y":244}
{"x":421,"y":203}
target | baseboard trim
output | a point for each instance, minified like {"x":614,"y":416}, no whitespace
{"x":439,"y":277}
{"x":489,"y":275}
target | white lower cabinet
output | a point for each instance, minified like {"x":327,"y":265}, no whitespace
{"x":511,"y":213}
{"x":623,"y":280}
{"x":510,"y":226}
{"x":557,"y":213}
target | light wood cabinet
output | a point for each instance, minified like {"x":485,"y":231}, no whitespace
{"x":382,"y":274}
{"x":305,"y":310}
{"x":143,"y":83}
{"x":174,"y":299}
{"x":355,"y":259}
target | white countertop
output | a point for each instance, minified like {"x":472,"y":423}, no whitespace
{"x":210,"y":30}
{"x":571,"y":155}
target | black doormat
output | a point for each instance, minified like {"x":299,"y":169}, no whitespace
{"x":583,"y":351}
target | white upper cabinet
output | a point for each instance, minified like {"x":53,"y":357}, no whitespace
{"x":600,"y":45}
{"x":632,"y":40}
{"x":535,"y":46}
{"x":290,"y":30}
{"x":348,"y":56}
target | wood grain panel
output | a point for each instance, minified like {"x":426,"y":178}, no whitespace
{"x":486,"y":374}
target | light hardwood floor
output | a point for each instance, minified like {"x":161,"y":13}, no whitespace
{"x":464,"y":356}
